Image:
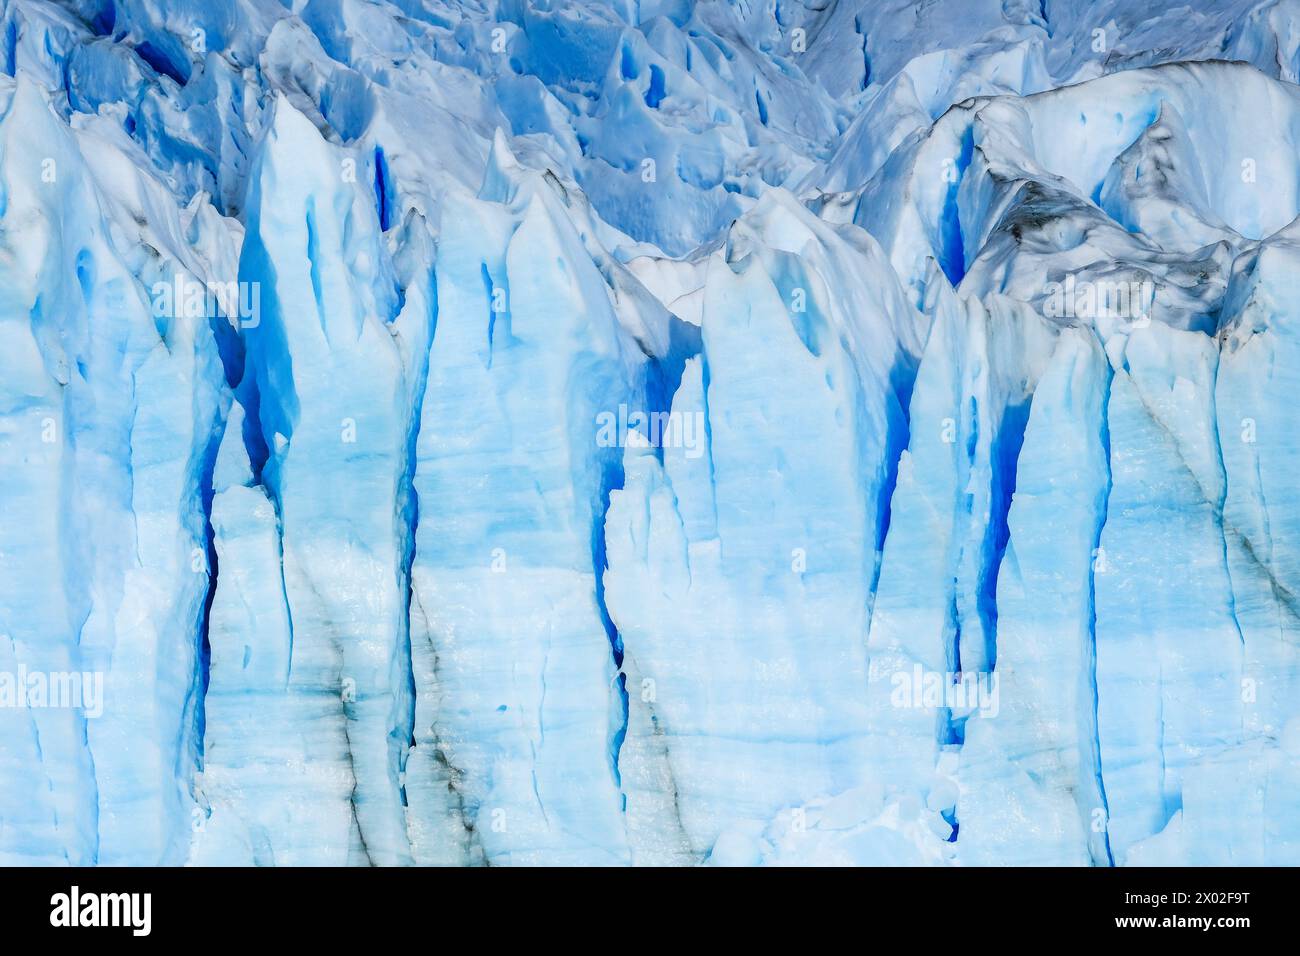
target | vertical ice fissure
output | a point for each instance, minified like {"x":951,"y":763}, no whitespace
{"x":1102,"y":853}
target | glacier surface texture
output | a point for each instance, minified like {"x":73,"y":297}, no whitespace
{"x":649,"y":432}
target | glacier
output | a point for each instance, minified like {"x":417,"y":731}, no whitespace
{"x":649,"y":432}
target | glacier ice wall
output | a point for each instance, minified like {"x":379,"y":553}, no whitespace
{"x":649,"y":433}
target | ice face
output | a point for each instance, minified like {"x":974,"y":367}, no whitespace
{"x":668,"y":433}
